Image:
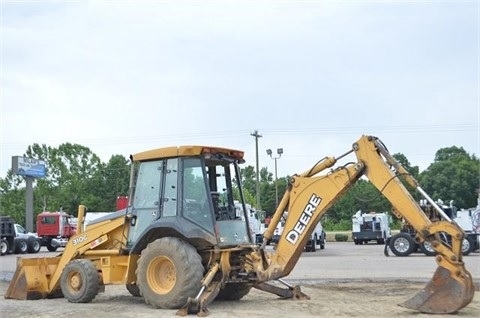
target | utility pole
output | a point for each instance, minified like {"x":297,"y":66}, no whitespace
{"x":256,"y":136}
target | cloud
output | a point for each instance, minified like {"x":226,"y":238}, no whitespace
{"x":310,"y":76}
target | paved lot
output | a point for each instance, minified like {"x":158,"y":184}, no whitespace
{"x":345,"y":260}
{"x":340,"y":279}
{"x":338,"y":261}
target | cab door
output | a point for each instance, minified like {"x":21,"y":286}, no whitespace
{"x":146,"y":199}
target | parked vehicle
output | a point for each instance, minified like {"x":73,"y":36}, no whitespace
{"x":256,"y":220}
{"x":55,"y":229}
{"x":277,"y":233}
{"x":15,"y":239}
{"x":371,"y":226}
{"x":317,"y":238}
{"x":7,"y":234}
{"x":405,"y":243}
{"x":26,"y":242}
{"x":469,"y":221}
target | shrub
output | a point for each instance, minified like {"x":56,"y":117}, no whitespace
{"x":332,"y":225}
{"x":341,"y":237}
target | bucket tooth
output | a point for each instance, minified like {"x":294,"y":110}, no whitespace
{"x":443,"y":294}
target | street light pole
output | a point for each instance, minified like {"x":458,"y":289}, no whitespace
{"x":279,"y":152}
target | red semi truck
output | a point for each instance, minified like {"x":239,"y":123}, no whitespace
{"x":54,"y":229}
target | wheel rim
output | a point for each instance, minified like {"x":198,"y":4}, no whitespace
{"x":428,"y":246}
{"x":36,"y":246}
{"x":161,"y":275}
{"x":465,"y":245}
{"x":74,"y":282}
{"x":401,"y":244}
{"x":3,"y":247}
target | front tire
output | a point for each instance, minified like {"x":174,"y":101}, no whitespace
{"x":51,"y":247}
{"x":4,"y":247}
{"x":467,"y":245}
{"x":427,"y":249}
{"x":322,"y":241}
{"x":169,"y":271}
{"x":311,"y":245}
{"x":402,"y":244}
{"x":80,"y":281}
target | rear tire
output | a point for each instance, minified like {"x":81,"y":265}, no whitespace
{"x":402,"y":244}
{"x":4,"y":248}
{"x":169,"y":271}
{"x":233,"y":291}
{"x":21,"y":246}
{"x":80,"y":281}
{"x":33,"y":245}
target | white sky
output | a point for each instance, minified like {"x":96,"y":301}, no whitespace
{"x":121,"y":77}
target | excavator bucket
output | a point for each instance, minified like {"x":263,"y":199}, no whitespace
{"x":444,"y":294}
{"x":31,"y":279}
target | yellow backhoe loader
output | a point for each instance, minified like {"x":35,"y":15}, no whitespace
{"x":181,"y":243}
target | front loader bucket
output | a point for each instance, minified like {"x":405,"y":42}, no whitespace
{"x":31,"y":279}
{"x":443,"y":294}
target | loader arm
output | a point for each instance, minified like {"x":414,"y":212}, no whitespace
{"x":37,"y":278}
{"x":309,"y":196}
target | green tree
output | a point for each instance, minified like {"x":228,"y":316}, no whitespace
{"x":75,"y":175}
{"x":71,"y":169}
{"x":454,"y":175}
{"x":12,"y":197}
{"x":110,"y":181}
{"x":363,"y":195}
{"x":249,"y":182}
{"x":413,"y":170}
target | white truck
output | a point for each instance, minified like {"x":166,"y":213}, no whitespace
{"x":255,"y":221}
{"x":469,"y":221}
{"x":370,"y":227}
{"x":15,"y":239}
{"x":25,"y":242}
{"x":317,"y":240}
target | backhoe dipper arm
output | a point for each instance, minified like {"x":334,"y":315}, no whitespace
{"x":310,"y":196}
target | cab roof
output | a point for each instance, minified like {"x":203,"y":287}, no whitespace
{"x":184,"y":151}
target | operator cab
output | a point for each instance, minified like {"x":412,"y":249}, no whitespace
{"x":187,"y":192}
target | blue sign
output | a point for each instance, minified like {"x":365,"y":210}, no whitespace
{"x":28,"y":167}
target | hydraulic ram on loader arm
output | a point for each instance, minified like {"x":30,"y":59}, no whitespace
{"x":309,"y":196}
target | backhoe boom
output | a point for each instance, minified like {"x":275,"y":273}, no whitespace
{"x":309,"y":196}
